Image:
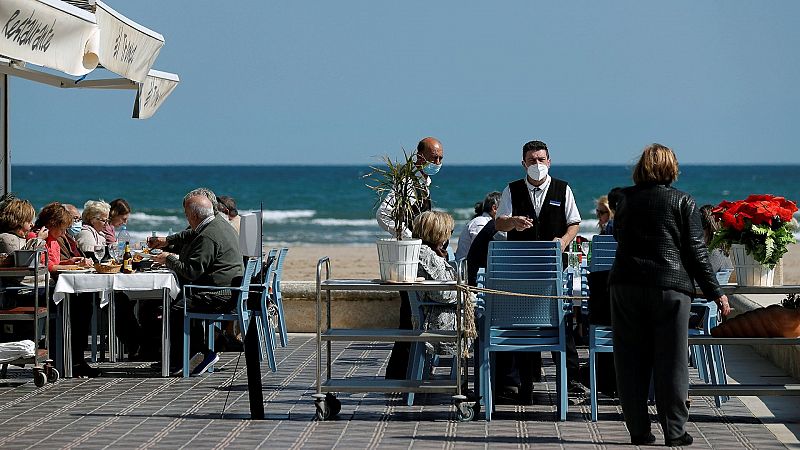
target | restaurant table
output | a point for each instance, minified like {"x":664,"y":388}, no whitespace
{"x":105,"y":285}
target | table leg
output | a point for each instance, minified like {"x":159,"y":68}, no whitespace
{"x":113,"y":345}
{"x":165,"y":341}
{"x":57,"y":352}
{"x":66,"y":331}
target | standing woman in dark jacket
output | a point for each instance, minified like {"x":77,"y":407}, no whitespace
{"x":661,"y":253}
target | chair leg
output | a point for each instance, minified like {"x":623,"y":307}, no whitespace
{"x":416,"y":367}
{"x":486,"y":383}
{"x":210,"y":328}
{"x":186,"y":329}
{"x":562,"y":381}
{"x":94,"y":328}
{"x":269,"y":344}
{"x":723,"y":372}
{"x":281,"y":319}
{"x":593,"y":383}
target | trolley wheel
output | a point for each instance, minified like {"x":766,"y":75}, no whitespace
{"x":39,"y":378}
{"x":334,"y":405}
{"x":465,"y":413}
{"x":53,"y":375}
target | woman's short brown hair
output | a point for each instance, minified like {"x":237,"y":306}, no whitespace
{"x":657,"y":164}
{"x":54,"y":215}
{"x":16,"y":213}
{"x":118,"y":207}
{"x":434,"y":227}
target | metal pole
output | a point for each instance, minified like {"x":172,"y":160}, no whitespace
{"x":5,"y":150}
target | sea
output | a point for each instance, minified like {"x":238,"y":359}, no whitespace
{"x":310,"y":205}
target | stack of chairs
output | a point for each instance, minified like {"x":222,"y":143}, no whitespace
{"x":523,"y":324}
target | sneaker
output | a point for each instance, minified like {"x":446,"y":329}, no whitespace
{"x":207,"y":362}
{"x":195,"y":361}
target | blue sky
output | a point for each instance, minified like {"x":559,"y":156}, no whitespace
{"x":343,"y":82}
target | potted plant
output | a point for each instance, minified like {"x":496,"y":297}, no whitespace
{"x":756,"y":233}
{"x":400,"y":184}
{"x":773,"y":321}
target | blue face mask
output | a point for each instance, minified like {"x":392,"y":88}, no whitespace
{"x":431,"y":168}
{"x":75,"y":228}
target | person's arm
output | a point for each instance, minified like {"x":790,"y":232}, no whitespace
{"x":200,"y":256}
{"x":504,"y":221}
{"x":694,"y":243}
{"x":572,"y":231}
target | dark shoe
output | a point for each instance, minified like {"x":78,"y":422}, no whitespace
{"x":643,"y":440}
{"x":209,"y":360}
{"x":84,"y":370}
{"x":508,"y":395}
{"x":682,"y":441}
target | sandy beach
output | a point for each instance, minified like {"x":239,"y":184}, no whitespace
{"x":361,"y":261}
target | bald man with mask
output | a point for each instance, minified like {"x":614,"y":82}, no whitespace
{"x":430,"y":154}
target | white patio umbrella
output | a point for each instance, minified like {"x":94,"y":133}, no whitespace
{"x":76,"y":37}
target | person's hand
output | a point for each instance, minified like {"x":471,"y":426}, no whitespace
{"x":722,"y":303}
{"x":156,"y":242}
{"x":563,"y":245}
{"x":42,"y":234}
{"x":160,"y":258}
{"x":522,"y":223}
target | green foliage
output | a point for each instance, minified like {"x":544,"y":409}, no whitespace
{"x":766,"y":244}
{"x":401,"y":179}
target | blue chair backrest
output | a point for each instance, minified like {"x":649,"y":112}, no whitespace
{"x":250,"y":270}
{"x":279,"y":260}
{"x":604,"y":249}
{"x":529,"y":267}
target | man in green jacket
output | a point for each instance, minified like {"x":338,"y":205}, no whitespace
{"x":209,"y":255}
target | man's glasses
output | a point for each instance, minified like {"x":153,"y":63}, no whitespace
{"x":76,"y":219}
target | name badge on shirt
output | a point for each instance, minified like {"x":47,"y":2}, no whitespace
{"x":555,"y":203}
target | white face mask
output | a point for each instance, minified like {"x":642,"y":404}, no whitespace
{"x":537,"y":171}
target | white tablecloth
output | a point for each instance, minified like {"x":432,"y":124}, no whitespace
{"x":74,"y":283}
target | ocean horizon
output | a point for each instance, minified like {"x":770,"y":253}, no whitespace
{"x":324,"y":204}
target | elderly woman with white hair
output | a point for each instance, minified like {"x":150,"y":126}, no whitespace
{"x":95,"y":218}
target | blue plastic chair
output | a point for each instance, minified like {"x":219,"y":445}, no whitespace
{"x":264,"y":326}
{"x":708,"y":359}
{"x":277,"y":296}
{"x":420,"y":364}
{"x":523,"y":324}
{"x":601,"y":338}
{"x":242,"y":314}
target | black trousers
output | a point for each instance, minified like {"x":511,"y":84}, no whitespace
{"x":651,"y":337}
{"x":397,"y":368}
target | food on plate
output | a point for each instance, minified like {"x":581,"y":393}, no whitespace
{"x":71,"y":267}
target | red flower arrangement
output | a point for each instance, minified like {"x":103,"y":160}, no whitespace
{"x":762,"y":223}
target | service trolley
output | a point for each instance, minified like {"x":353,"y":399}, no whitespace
{"x":327,"y":405}
{"x":747,"y":389}
{"x":35,"y":266}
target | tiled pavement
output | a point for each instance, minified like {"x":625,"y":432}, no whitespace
{"x":129,"y":408}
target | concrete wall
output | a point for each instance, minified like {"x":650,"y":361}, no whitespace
{"x":350,"y":309}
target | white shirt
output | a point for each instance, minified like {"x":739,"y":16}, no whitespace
{"x":384,"y":214}
{"x":505,"y":208}
{"x":468,"y":234}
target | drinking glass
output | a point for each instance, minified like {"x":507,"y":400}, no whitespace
{"x":98,"y":252}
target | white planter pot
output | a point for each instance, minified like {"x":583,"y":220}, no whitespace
{"x":749,"y":272}
{"x":398,"y":259}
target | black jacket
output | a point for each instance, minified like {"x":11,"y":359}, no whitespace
{"x":660,"y":241}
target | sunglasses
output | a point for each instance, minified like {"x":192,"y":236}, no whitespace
{"x":600,"y":212}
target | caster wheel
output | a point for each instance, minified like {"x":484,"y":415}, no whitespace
{"x":466,"y":415}
{"x":39,"y":378}
{"x":53,"y":375}
{"x":334,"y":405}
{"x":323,"y":413}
